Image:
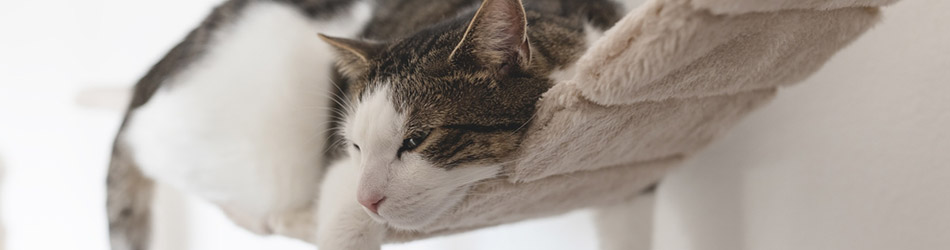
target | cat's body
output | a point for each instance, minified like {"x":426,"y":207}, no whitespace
{"x":235,"y":114}
{"x":239,"y":113}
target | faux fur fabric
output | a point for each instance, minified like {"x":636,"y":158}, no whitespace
{"x":674,"y":77}
{"x":500,"y":201}
{"x":661,"y":84}
{"x":746,"y":6}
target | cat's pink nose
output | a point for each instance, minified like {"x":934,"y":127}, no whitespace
{"x":372,"y":202}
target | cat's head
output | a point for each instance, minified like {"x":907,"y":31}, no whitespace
{"x":431,"y":114}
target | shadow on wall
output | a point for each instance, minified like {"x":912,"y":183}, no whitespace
{"x":711,"y":217}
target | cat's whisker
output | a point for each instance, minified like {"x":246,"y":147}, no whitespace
{"x":321,"y":134}
{"x":339,"y":96}
{"x":525,"y":124}
{"x":334,"y":145}
{"x":335,"y":98}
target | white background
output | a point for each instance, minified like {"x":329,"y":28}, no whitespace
{"x":856,"y":157}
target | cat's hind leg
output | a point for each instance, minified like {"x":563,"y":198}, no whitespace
{"x":128,"y":203}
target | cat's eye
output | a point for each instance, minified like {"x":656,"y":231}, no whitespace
{"x":410,"y":143}
{"x":413,"y":141}
{"x":357,"y":147}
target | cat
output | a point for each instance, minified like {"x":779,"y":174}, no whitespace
{"x":428,"y":114}
{"x":434,"y":98}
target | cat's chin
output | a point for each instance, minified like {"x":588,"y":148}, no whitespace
{"x":412,"y":223}
{"x":421,"y":217}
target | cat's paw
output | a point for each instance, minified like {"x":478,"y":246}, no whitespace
{"x":342,"y":224}
{"x":348,"y":243}
{"x":349,"y":228}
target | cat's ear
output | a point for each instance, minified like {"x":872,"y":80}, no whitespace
{"x":497,"y":36}
{"x":355,"y":55}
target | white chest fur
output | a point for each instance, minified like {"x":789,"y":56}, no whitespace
{"x":244,"y":126}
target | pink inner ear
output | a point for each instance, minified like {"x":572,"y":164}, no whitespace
{"x":499,"y":32}
{"x":508,"y":14}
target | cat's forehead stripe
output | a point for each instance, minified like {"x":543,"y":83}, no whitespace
{"x":387,"y":86}
{"x":375,"y":124}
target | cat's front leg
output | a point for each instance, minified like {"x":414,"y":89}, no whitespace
{"x":342,"y":223}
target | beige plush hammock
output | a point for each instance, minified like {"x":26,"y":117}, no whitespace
{"x":661,"y":84}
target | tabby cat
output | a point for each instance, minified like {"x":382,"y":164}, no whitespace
{"x":431,"y":98}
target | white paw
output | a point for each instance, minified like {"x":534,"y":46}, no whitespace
{"x":342,"y":223}
{"x":349,"y":228}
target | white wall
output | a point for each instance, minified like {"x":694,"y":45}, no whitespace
{"x":856,"y":157}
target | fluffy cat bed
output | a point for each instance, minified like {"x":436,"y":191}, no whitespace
{"x":660,"y":85}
